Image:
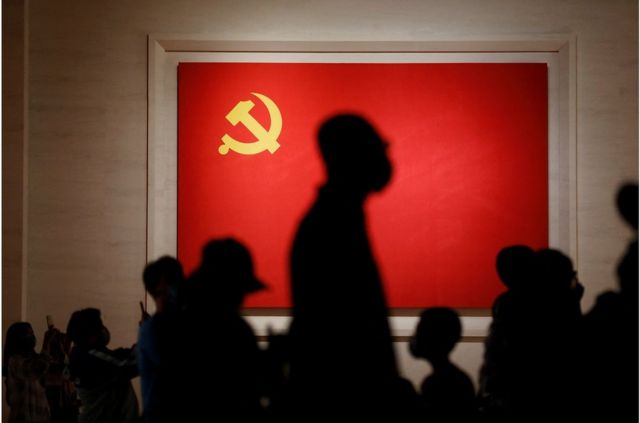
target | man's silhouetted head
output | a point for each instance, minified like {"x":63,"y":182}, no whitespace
{"x":162,"y":279}
{"x":514,"y":265}
{"x":354,"y":154}
{"x":555,"y":271}
{"x":627,"y":201}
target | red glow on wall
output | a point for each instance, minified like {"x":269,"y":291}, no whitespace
{"x":469,"y":148}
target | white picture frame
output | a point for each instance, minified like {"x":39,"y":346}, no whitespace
{"x":166,"y":51}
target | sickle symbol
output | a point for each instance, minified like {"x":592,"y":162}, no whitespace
{"x":267,"y":140}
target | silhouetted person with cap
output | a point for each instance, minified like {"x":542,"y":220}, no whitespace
{"x":447,"y":393}
{"x":343,"y":363}
{"x":224,"y":374}
{"x":611,"y":333}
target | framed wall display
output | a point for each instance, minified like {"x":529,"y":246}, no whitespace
{"x":481,"y":133}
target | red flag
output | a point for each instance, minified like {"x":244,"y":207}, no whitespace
{"x":468,"y":143}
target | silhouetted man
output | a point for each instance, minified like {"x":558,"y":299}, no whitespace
{"x":611,"y":334}
{"x":223,"y":379}
{"x":162,"y":279}
{"x":342,"y":356}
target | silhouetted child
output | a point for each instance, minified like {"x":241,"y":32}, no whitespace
{"x":447,"y":394}
{"x":24,"y":371}
{"x":102,"y":376}
{"x":157,"y":338}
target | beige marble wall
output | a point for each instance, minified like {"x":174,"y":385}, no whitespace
{"x":87,"y":126}
{"x":13,"y":158}
{"x":13,"y":163}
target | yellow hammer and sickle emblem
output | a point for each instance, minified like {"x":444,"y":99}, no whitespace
{"x":267,"y":139}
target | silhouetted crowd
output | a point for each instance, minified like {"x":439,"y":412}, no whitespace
{"x":199,"y":359}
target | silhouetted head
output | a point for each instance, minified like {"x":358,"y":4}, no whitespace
{"x":354,"y":154}
{"x":514,"y":265}
{"x":86,"y":330}
{"x":162,"y":279}
{"x":19,"y":340}
{"x":554,"y":271}
{"x":627,"y":202}
{"x":226,"y":272}
{"x":628,"y":273}
{"x":437,"y":333}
